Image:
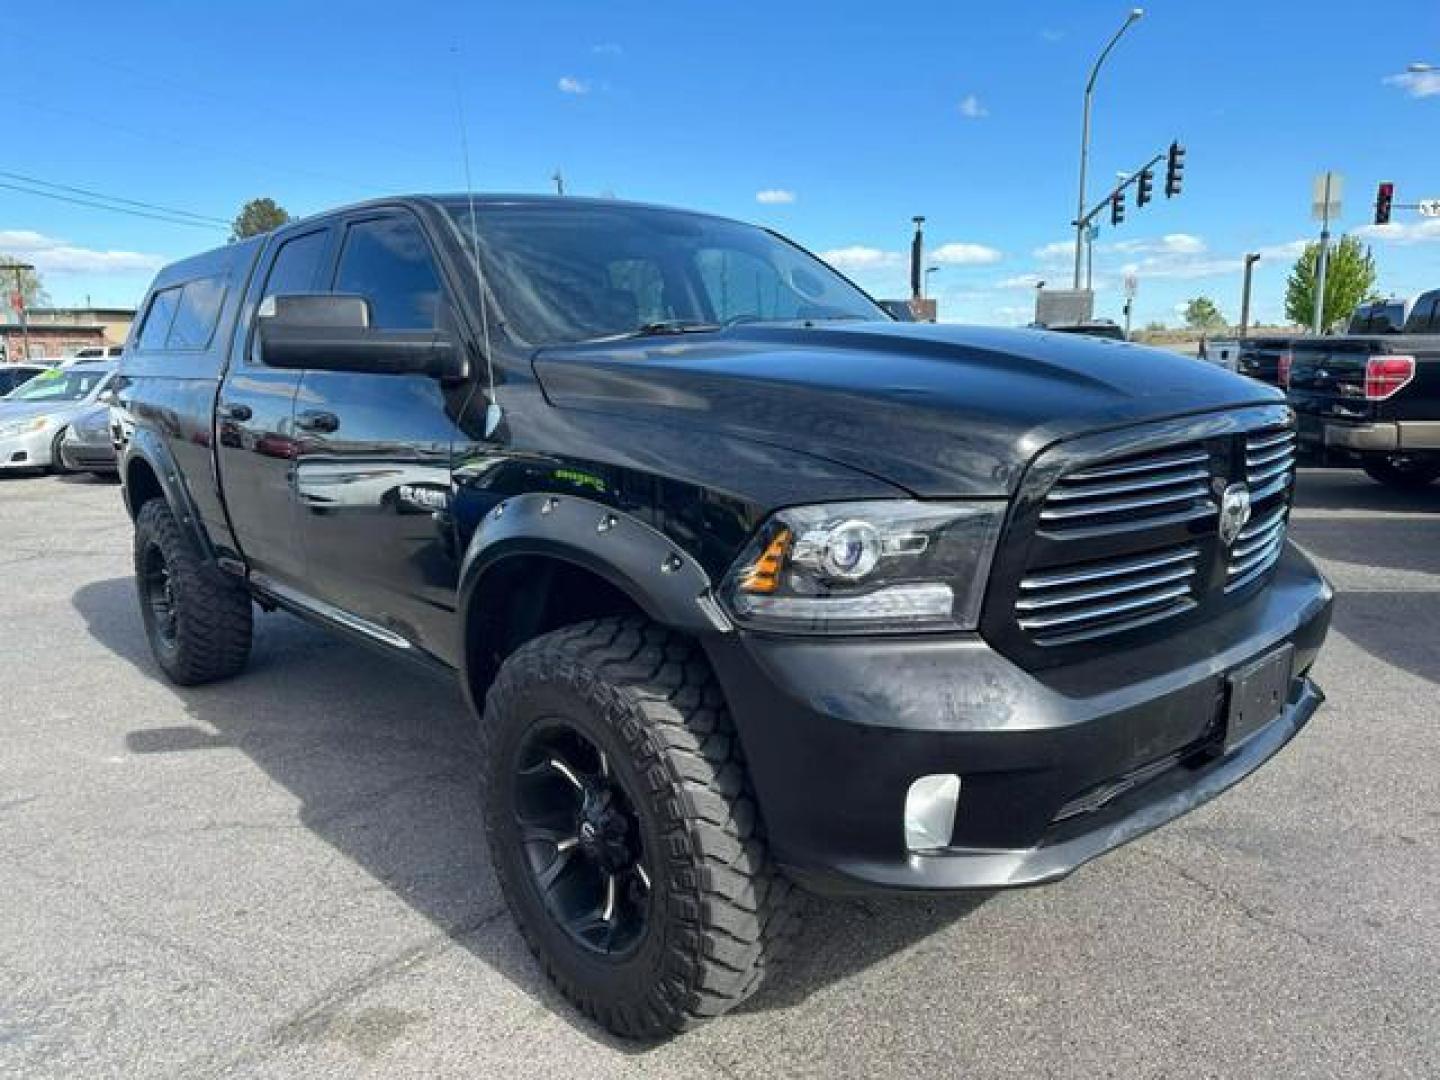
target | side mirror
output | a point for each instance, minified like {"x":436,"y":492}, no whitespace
{"x":331,"y":332}
{"x":107,"y":396}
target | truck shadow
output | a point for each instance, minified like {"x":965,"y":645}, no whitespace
{"x":382,"y":762}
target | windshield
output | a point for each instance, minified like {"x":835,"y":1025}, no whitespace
{"x":60,"y":384}
{"x":566,"y":273}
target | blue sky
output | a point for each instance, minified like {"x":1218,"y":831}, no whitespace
{"x":850,"y":117}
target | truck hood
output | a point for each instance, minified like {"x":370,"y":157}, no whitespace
{"x":939,"y":410}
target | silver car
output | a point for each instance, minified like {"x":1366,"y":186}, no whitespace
{"x":34,"y":416}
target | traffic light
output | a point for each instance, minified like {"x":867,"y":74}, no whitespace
{"x":1117,"y":208}
{"x":1144,"y":187}
{"x":1174,"y":170}
{"x":1384,"y":196}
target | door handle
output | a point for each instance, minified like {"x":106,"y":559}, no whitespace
{"x":236,"y":412}
{"x":316,"y":420}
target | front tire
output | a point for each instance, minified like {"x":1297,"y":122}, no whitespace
{"x":1403,"y":473}
{"x":199,"y":624}
{"x":57,"y":459}
{"x":623,"y":829}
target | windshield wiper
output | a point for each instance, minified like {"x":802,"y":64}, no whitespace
{"x":675,"y":326}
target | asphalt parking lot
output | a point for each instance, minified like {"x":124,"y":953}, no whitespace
{"x":284,"y":875}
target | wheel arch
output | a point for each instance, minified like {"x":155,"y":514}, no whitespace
{"x":538,"y":562}
{"x":148,"y":471}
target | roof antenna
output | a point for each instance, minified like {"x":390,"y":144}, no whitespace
{"x":493,"y":413}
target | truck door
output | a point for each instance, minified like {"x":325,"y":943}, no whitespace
{"x":255,"y":436}
{"x":372,"y":479}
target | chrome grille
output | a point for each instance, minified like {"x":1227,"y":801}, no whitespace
{"x":1269,"y":472}
{"x":1123,"y":542}
{"x":1063,"y":605}
{"x":1131,"y":492}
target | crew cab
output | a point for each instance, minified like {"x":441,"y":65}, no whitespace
{"x":1372,"y":399}
{"x":750,"y":586}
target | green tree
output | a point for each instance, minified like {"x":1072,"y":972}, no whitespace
{"x":32,"y":286}
{"x":1202,"y":314}
{"x":1349,"y":279}
{"x":258,"y":216}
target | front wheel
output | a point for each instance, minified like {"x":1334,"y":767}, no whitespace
{"x":198,"y":623}
{"x":623,"y":829}
{"x":57,"y":458}
{"x":1404,"y":473}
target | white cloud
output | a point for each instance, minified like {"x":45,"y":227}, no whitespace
{"x":1056,"y":251}
{"x":54,"y":256}
{"x":1019,"y":281}
{"x":956,"y":254}
{"x":1403,"y":233}
{"x":569,"y":84}
{"x":606,"y":48}
{"x":1417,"y":84}
{"x":1169,"y":244}
{"x":971,"y":108}
{"x":774,"y":196}
{"x":859,"y":257}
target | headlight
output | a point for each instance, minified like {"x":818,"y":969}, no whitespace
{"x":863,"y":567}
{"x":24,"y":427}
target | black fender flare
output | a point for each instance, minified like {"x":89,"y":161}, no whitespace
{"x":145,"y":445}
{"x":663,"y":579}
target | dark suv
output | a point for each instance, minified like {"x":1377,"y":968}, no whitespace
{"x":748,"y":584}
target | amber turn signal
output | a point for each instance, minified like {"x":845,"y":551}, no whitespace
{"x":763,"y":575}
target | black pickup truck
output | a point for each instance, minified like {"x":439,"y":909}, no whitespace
{"x":1372,"y":399}
{"x":749,"y":585}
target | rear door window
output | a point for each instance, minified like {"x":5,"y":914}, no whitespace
{"x":158,"y":319}
{"x":196,"y":314}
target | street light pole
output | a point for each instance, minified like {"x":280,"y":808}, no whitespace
{"x":1251,"y":259}
{"x":1134,"y":16}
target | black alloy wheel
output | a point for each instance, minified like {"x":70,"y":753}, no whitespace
{"x":582,"y":840}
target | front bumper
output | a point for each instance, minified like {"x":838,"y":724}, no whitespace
{"x":87,"y":454}
{"x":30,"y":450}
{"x":835,"y":732}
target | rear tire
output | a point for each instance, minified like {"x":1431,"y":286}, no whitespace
{"x":1403,"y":473}
{"x":707,"y":913}
{"x":198,"y":623}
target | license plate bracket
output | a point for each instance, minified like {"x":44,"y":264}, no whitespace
{"x":1258,"y":694}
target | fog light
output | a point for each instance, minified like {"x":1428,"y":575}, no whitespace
{"x":930,"y":811}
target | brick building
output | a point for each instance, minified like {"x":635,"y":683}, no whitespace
{"x":55,"y":333}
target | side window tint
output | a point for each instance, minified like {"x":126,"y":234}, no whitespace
{"x":387,"y":262}
{"x":159,"y":318}
{"x":296,"y":265}
{"x":196,"y":314}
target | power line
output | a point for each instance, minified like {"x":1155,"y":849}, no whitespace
{"x":113,"y":198}
{"x":105,"y":206}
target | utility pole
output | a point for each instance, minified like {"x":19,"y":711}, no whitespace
{"x":1326,"y":206}
{"x":917,"y":256}
{"x":19,"y":269}
{"x":1251,"y":258}
{"x":1135,"y":15}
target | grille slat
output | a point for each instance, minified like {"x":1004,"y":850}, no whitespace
{"x":1151,"y":510}
{"x":1121,"y":493}
{"x":1269,"y":471}
{"x":1105,"y":596}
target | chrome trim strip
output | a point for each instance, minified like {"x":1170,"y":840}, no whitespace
{"x":1196,"y":491}
{"x":1091,"y":614}
{"x":1081,"y":596}
{"x":1067,"y":494}
{"x":1105,"y":472}
{"x":1134,"y":566}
